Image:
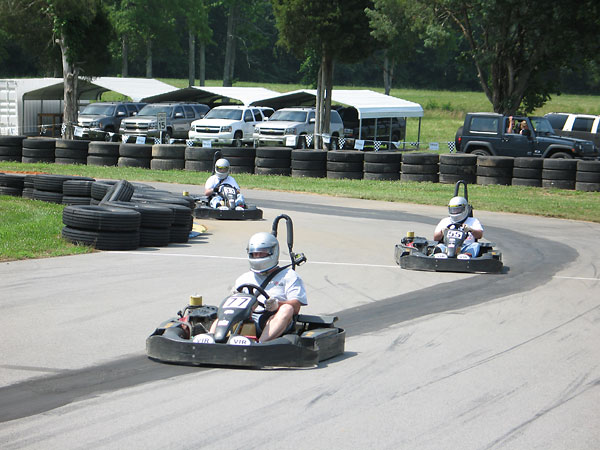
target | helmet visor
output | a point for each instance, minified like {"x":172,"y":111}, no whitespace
{"x":456,"y":209}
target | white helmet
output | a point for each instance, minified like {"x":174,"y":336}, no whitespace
{"x":458,"y":209}
{"x":263,"y":242}
{"x":222,"y":168}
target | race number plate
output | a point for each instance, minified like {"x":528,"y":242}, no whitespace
{"x":456,"y":234}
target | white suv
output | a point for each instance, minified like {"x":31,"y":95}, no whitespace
{"x":289,"y":127}
{"x":230,"y":125}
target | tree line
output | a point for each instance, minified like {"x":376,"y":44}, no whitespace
{"x":518,"y":53}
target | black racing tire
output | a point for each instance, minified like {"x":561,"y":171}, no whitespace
{"x":420,"y":158}
{"x":560,"y":164}
{"x":387,"y":157}
{"x":33,"y":160}
{"x":94,"y":160}
{"x":455,"y":169}
{"x":339,"y":166}
{"x":103,"y":240}
{"x":528,"y":162}
{"x":487,"y":171}
{"x":12,"y":180}
{"x":300,"y":173}
{"x":495,"y":161}
{"x":170,"y":151}
{"x":198,"y":166}
{"x":308,"y":165}
{"x":382,"y":176}
{"x":382,"y":167}
{"x":158,"y":198}
{"x":47,"y":196}
{"x":421,"y":177}
{"x":28,"y":193}
{"x":12,"y":141}
{"x":100,"y":188}
{"x":587,"y":187}
{"x":71,"y":153}
{"x":345,"y":156}
{"x":101,"y":218}
{"x":101,"y":148}
{"x":182,"y":214}
{"x":238,"y":152}
{"x":242,"y":168}
{"x":72,"y":200}
{"x":179,"y":234}
{"x":282,"y":171}
{"x":453,"y":179}
{"x":559,"y":184}
{"x":533,"y":182}
{"x":561,"y":155}
{"x":459,"y":159}
{"x":38,"y":152}
{"x":121,"y":191}
{"x":308,"y":155}
{"x":523,"y":172}
{"x":38,"y":143}
{"x":152,"y":215}
{"x":12,"y":191}
{"x":200,"y":154}
{"x":279,"y":163}
{"x":167,"y":164}
{"x":339,"y":175}
{"x":425,"y":169}
{"x":485,"y":181}
{"x":274,"y":152}
{"x":29,"y":180}
{"x":241,"y":160}
{"x":80,"y":145}
{"x":587,"y":177}
{"x":155,"y":237}
{"x":54,"y":183}
{"x":142,"y":151}
{"x":555,"y":174}
{"x":588,"y":166}
{"x":125,"y":161}
{"x":11,"y":151}
{"x":71,"y":161}
{"x":17,"y":158}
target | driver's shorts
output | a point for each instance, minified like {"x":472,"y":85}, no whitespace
{"x":260,"y":320}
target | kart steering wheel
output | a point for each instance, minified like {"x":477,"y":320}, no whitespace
{"x":252,"y":288}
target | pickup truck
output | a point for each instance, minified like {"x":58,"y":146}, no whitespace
{"x":488,"y":134}
{"x":581,"y":126}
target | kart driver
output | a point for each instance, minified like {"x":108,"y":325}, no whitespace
{"x":219,"y":178}
{"x":459,"y":211}
{"x":285,"y":288}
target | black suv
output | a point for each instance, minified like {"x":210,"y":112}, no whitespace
{"x":384,"y":129}
{"x":99,"y":121}
{"x":488,"y":134}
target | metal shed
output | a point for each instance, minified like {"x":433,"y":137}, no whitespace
{"x":29,"y":103}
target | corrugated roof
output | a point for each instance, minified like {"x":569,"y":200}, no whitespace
{"x":215,"y":95}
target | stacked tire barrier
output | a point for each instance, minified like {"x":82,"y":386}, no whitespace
{"x":135,"y":155}
{"x":494,"y":170}
{"x":382,"y":165}
{"x":28,"y":187}
{"x":309,"y":163}
{"x":38,"y":150}
{"x":49,"y":188}
{"x":77,"y":192}
{"x":11,"y":148}
{"x":273,"y":161}
{"x":241,"y":159}
{"x":103,"y":153}
{"x":559,"y":173}
{"x":346,"y":164}
{"x":456,"y":167}
{"x":527,"y":172}
{"x":168,"y":157}
{"x":588,"y":176}
{"x":12,"y":184}
{"x":420,"y":167}
{"x":68,"y":151}
{"x":199,"y":159}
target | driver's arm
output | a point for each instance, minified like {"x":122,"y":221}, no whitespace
{"x":294,"y":303}
{"x":438,"y":233}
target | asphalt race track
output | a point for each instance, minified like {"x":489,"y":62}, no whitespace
{"x":433,"y":360}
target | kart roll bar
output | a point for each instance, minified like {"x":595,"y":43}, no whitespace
{"x":216,"y":156}
{"x":297,"y":258}
{"x":457,"y":186}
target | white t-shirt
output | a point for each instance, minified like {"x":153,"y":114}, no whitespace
{"x":213,"y":180}
{"x":286,"y":285}
{"x":471,"y":222}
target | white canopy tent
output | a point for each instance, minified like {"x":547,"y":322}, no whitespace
{"x":213,"y":96}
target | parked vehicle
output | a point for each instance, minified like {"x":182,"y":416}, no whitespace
{"x":581,"y":126}
{"x":99,"y":121}
{"x":488,"y":134}
{"x":227,"y":125}
{"x":179,"y":119}
{"x":385,"y":129}
{"x":289,"y":127}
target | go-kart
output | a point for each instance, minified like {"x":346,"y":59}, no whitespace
{"x":185,"y":339}
{"x":227,"y":208}
{"x":419,"y":253}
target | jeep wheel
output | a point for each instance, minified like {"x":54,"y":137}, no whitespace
{"x":237,"y":139}
{"x":167,"y":136}
{"x":108,"y":137}
{"x":480,"y":152}
{"x":562,"y":155}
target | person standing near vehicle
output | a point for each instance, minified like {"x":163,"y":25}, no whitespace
{"x":459,"y":212}
{"x":285,"y":288}
{"x":220,"y":178}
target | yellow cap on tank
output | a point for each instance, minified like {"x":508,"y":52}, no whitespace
{"x":195,"y":300}
{"x":410,"y":234}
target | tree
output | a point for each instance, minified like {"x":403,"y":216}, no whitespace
{"x":332,"y":29}
{"x":516,"y":45}
{"x":195,"y":15}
